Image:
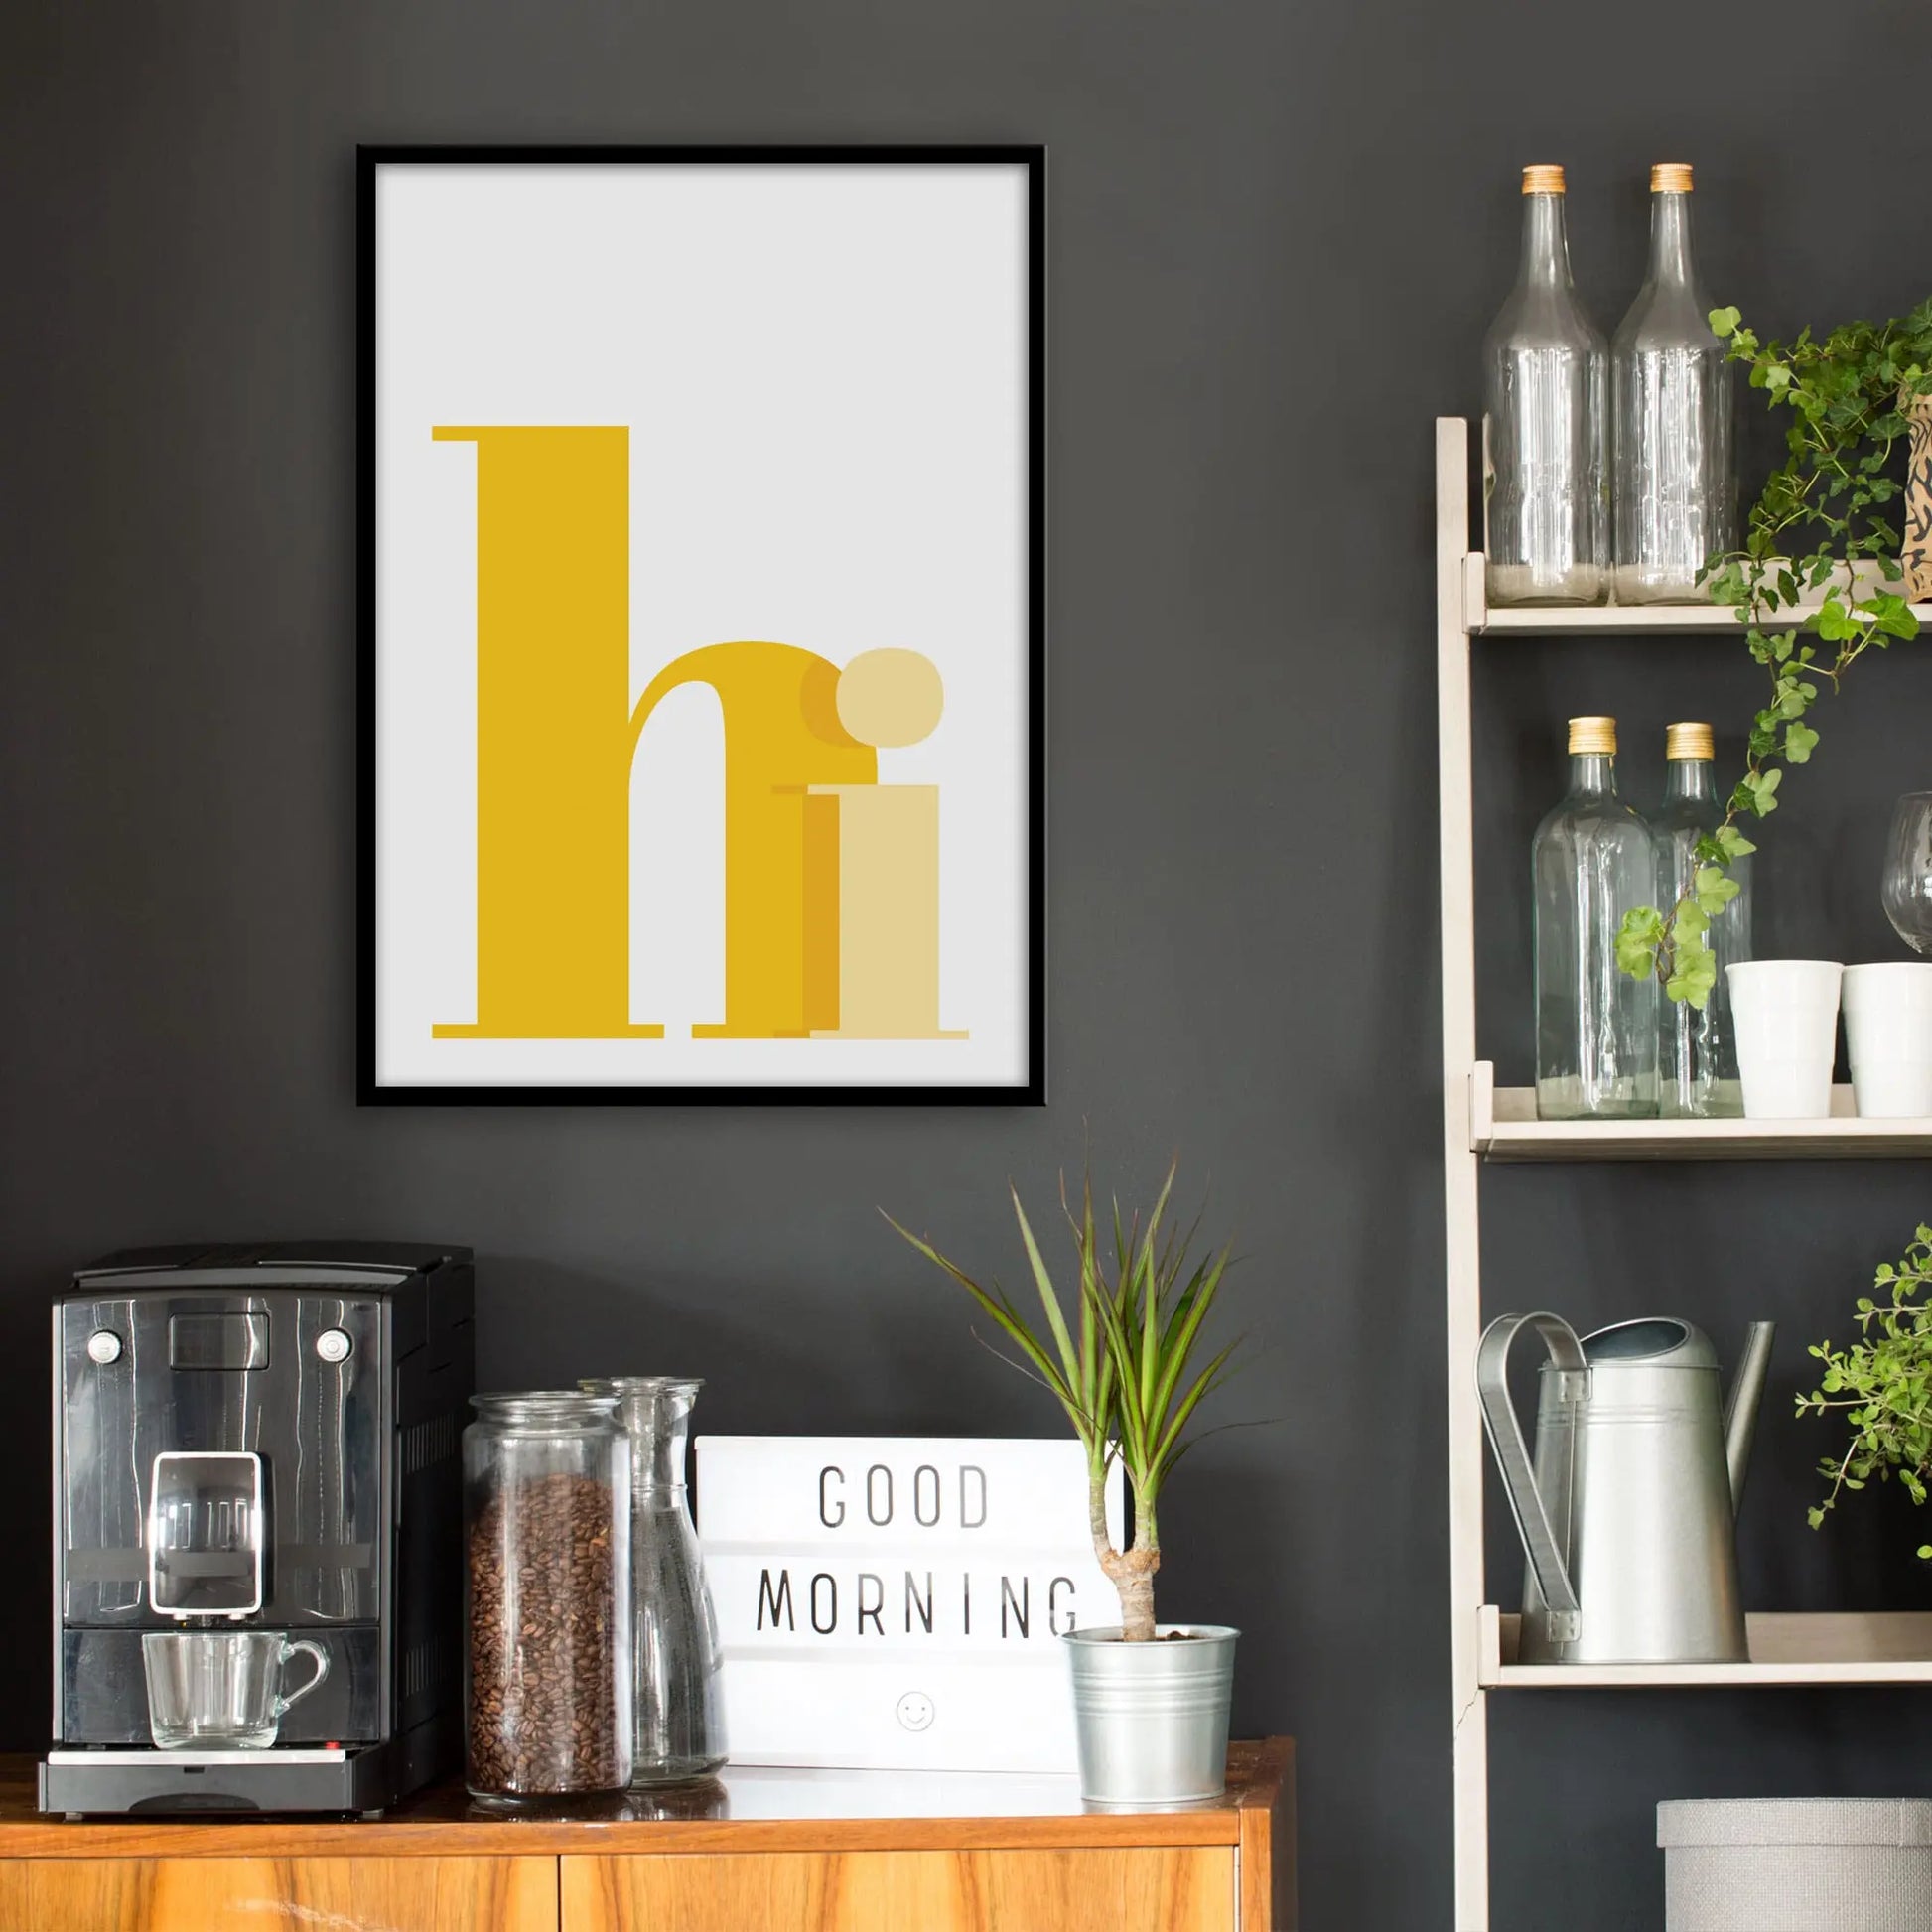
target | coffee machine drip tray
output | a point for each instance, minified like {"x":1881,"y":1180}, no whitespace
{"x":358,"y":1778}
{"x":334,"y":1755}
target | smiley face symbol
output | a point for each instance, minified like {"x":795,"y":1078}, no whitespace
{"x":915,"y":1711}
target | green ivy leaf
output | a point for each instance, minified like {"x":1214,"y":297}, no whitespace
{"x":1798,"y":741}
{"x":1723,"y":322}
{"x":1833,"y":622}
{"x":1715,"y":889}
{"x":1695,"y":973}
{"x":1727,"y":584}
{"x":1892,"y":615}
{"x":1637,"y":940}
{"x":1732,"y":843}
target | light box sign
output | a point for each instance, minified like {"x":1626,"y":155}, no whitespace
{"x":897,"y":1602}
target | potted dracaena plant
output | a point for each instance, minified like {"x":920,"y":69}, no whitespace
{"x":1127,"y":1364}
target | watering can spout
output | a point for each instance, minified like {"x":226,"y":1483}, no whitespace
{"x":1747,"y":1397}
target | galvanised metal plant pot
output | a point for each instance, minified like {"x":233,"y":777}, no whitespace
{"x":1152,"y":1717}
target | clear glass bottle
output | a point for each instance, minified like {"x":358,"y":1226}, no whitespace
{"x":1675,"y":497}
{"x":546,"y":1518}
{"x":1592,"y":863}
{"x":1546,"y":514}
{"x":1699,"y":1077}
{"x":677,"y":1689}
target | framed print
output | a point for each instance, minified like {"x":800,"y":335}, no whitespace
{"x":702,"y":599}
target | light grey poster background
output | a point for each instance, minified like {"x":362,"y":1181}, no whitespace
{"x":1277,"y":233}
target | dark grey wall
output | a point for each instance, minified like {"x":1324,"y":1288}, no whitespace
{"x":1277,"y":234}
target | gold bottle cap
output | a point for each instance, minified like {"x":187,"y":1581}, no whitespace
{"x":1688,"y":741}
{"x":1543,"y":177}
{"x":1592,"y":738}
{"x":1670,"y":178}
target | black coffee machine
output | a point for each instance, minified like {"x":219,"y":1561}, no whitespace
{"x":260,"y":1439}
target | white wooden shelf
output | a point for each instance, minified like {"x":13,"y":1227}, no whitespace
{"x":1870,"y":1647}
{"x":1503,"y":1127}
{"x":1483,"y":1123}
{"x":1482,"y":619}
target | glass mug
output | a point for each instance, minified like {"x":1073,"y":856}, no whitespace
{"x":221,"y":1690}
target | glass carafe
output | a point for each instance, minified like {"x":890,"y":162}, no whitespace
{"x":1595,"y":1026}
{"x":1907,"y":883}
{"x":1674,"y":494}
{"x":1544,"y":383}
{"x":1699,"y":1078}
{"x":678,"y":1730}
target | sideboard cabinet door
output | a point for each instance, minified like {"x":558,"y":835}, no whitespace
{"x":1178,"y":1888}
{"x":280,"y":1895}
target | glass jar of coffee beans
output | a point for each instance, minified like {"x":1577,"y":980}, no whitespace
{"x":546,"y":1521}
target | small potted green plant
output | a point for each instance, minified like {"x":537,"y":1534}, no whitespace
{"x":1882,"y":1382}
{"x":1127,"y":1364}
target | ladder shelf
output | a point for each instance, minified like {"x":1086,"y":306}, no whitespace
{"x":1482,"y":1122}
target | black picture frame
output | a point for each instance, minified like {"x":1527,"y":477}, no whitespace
{"x":370,"y":161}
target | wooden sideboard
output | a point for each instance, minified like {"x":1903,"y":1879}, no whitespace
{"x":758,"y":1850}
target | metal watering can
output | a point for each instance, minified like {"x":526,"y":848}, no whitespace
{"x":1628,"y":1517}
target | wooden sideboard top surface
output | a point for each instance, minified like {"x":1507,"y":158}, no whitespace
{"x":744,"y":1810}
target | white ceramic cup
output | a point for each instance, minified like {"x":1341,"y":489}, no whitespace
{"x":1888,"y":1037}
{"x":1785,"y":1012}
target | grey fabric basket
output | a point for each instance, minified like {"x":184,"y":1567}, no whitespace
{"x":1797,"y":1864}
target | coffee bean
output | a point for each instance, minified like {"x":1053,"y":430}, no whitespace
{"x":543,"y":1627}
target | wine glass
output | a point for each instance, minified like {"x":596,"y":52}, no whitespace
{"x":1907,"y":887}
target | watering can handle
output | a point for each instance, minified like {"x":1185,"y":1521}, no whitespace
{"x":1543,"y":1542}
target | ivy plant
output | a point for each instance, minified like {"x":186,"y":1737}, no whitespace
{"x":1847,"y":395}
{"x":1882,"y":1383}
